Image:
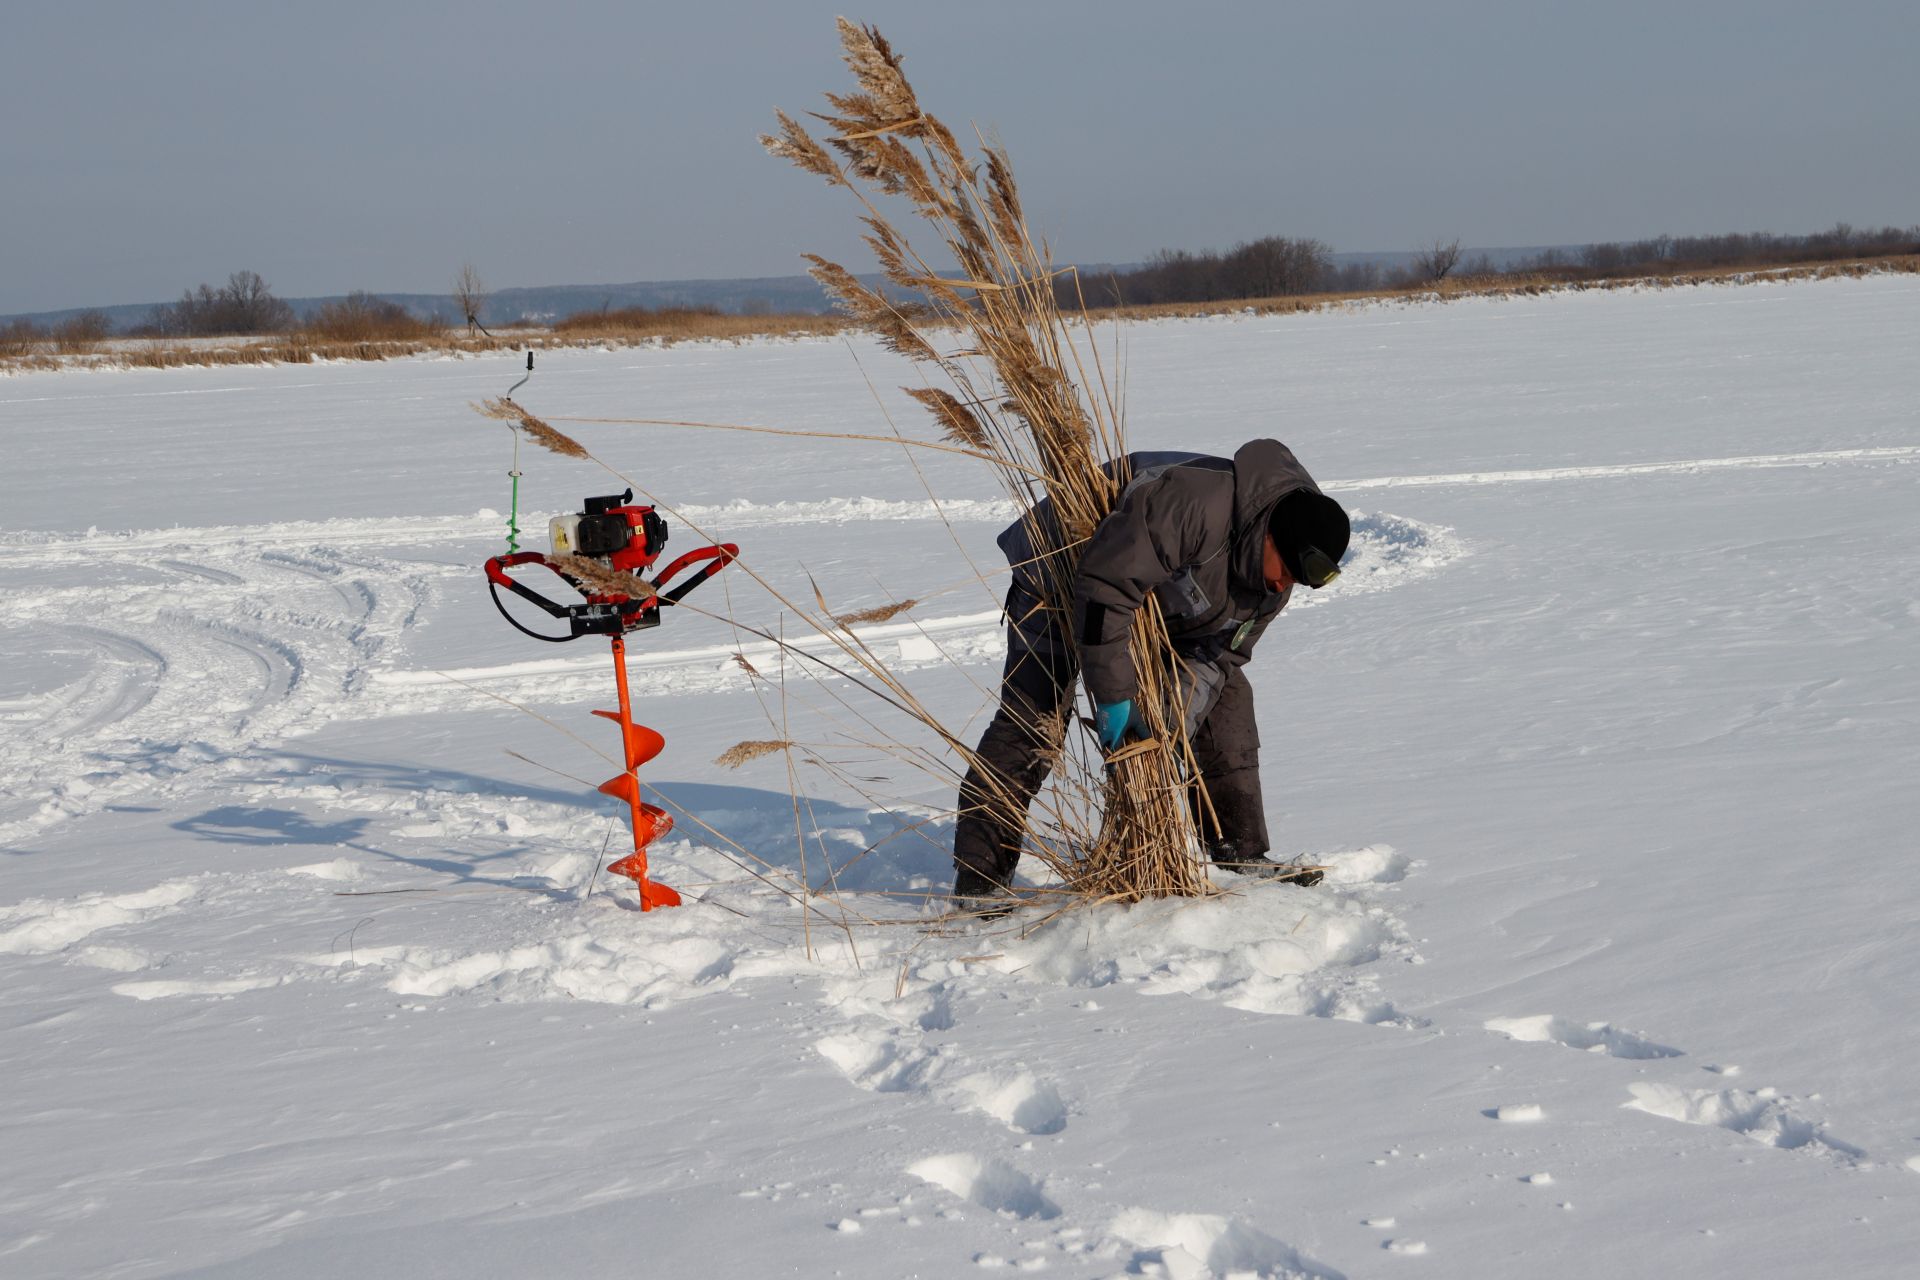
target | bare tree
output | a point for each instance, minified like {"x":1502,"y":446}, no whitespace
{"x":1275,"y":265}
{"x":1432,"y":265}
{"x":470,"y":293}
{"x":19,"y":337}
{"x":82,"y":332}
{"x":245,"y":305}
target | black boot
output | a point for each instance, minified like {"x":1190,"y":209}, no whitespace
{"x":979,"y":895}
{"x":1261,"y":867}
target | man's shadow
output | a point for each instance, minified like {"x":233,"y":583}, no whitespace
{"x":832,"y":844}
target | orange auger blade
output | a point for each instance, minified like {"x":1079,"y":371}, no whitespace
{"x":622,"y":786}
{"x":649,"y":821}
{"x":643,"y":744}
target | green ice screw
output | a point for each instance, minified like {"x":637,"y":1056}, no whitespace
{"x":513,"y":509}
{"x":513,"y":515}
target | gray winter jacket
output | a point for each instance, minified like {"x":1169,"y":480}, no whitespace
{"x":1190,"y":530}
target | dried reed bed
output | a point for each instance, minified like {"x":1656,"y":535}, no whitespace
{"x":21,"y":354}
{"x":631,"y":325}
{"x":22,"y":351}
{"x":1024,"y":389}
{"x":363,"y":318}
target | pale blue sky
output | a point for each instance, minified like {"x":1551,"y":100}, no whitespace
{"x":343,"y":145}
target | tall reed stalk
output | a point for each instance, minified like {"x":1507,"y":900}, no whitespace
{"x":1026,"y":388}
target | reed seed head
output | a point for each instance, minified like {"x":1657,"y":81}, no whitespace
{"x":742,"y":752}
{"x":505,"y":410}
{"x":958,"y":423}
{"x":879,"y":613}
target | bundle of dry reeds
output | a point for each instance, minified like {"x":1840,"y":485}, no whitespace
{"x":1025,"y":388}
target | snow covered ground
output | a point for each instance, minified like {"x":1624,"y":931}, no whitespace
{"x":1608,"y":733}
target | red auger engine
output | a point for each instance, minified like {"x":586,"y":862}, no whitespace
{"x":627,"y":537}
{"x":623,"y":541}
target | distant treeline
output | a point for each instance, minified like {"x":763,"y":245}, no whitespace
{"x":1701,"y":253}
{"x":246,"y":305}
{"x":1277,"y":266}
{"x":76,"y":333}
{"x":1271,"y":267}
{"x":243,"y":307}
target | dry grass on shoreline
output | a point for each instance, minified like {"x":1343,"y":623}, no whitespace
{"x":1509,"y":286}
{"x":172,"y":353}
{"x":639,"y":327}
{"x":632,"y":325}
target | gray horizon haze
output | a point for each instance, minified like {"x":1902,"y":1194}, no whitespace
{"x":379,"y":147}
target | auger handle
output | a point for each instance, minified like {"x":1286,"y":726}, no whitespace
{"x":718,"y":557}
{"x":595,"y":617}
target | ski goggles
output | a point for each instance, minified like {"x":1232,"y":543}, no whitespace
{"x":1317,"y":568}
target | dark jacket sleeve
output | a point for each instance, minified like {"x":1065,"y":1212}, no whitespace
{"x":1140,"y":545}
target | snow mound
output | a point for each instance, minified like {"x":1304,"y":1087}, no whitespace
{"x":40,"y":926}
{"x":1196,"y":1246}
{"x":338,"y":869}
{"x":1274,"y":949}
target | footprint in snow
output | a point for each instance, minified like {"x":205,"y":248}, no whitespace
{"x":884,"y":1060}
{"x":992,"y":1184}
{"x":878,"y":1061}
{"x":1197,"y":1244}
{"x":1018,"y":1099}
{"x":1374,"y":864}
{"x":1761,"y":1115}
{"x":1590,"y":1037}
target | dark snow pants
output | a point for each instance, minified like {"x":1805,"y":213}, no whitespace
{"x":1016,"y":752}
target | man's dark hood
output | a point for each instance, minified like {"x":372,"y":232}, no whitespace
{"x":1264,"y":471}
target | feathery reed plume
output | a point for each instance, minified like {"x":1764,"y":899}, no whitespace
{"x":893,"y":324}
{"x":602,"y":579}
{"x":1036,"y":402}
{"x":961,"y":427}
{"x":794,"y":143}
{"x":884,"y":89}
{"x":504,"y":410}
{"x":742,"y":752}
{"x":1003,"y":198}
{"x":879,"y":613}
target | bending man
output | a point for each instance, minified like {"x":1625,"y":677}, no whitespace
{"x":1220,"y":544}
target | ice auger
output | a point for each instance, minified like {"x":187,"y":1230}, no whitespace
{"x":601,"y":551}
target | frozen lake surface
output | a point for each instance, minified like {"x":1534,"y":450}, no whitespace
{"x":1607,"y":732}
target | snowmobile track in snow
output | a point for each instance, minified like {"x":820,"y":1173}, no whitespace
{"x":289,"y":620}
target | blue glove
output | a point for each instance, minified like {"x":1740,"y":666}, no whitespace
{"x":1112,"y":721}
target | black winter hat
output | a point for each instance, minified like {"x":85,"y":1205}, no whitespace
{"x":1305,"y":519}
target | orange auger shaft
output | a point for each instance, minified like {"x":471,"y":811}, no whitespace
{"x":626,"y":539}
{"x":639,"y":744}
